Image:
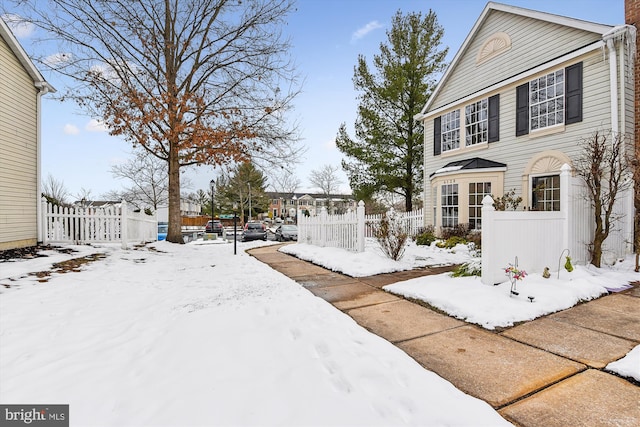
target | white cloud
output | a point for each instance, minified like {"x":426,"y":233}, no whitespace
{"x":363,"y":31}
{"x":95,"y":126}
{"x":330,"y":144}
{"x":56,"y":59}
{"x":18,"y":25}
{"x":70,"y":129}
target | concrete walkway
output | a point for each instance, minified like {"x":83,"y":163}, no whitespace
{"x":546,"y":372}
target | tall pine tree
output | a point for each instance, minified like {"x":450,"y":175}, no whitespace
{"x":387,"y":152}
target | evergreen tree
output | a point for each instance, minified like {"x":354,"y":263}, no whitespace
{"x":387,"y":152}
{"x":241,"y":184}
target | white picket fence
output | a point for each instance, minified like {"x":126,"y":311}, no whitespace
{"x":349,"y":230}
{"x":97,"y":225}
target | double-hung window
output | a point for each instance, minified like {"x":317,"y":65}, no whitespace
{"x":450,"y":132}
{"x":477,"y":122}
{"x":546,"y":100}
{"x":449,"y":204}
{"x":477,"y":191}
{"x":549,"y":100}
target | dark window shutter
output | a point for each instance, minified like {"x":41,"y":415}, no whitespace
{"x":494,"y":118}
{"x":522,"y":109}
{"x":573,"y":101}
{"x":437,"y":131}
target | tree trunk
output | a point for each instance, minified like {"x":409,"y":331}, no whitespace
{"x":174,"y":234}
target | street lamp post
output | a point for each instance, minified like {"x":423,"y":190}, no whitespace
{"x":249,"y":184}
{"x":212,"y":185}
{"x":235,"y":227}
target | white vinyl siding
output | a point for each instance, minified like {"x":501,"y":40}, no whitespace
{"x":18,"y":153}
{"x":530,"y":38}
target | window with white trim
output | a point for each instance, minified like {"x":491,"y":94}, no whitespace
{"x":450,"y":130}
{"x":546,"y":100}
{"x":449,"y":205}
{"x":546,"y":193}
{"x":476,"y":122}
{"x":477,"y":191}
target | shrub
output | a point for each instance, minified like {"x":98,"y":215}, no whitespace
{"x":475,"y":237}
{"x":471,"y":268}
{"x":459,"y":230}
{"x":391,"y":236}
{"x":452,"y":242}
{"x":509,"y":200}
{"x":426,"y":236}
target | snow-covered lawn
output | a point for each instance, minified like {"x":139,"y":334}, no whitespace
{"x":193,"y":335}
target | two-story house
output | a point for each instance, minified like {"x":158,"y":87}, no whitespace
{"x":21,"y":87}
{"x":286,"y":205}
{"x":521,"y":93}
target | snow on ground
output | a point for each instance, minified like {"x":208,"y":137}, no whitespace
{"x":628,"y":366}
{"x":373,"y":261}
{"x":467,"y":298}
{"x":193,"y":335}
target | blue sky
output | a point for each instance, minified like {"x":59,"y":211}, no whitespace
{"x":327,"y":37}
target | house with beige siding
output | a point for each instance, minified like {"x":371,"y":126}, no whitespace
{"x":21,"y":87}
{"x":511,"y":109}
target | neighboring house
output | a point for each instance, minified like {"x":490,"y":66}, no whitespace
{"x":21,"y":86}
{"x":512,"y":107}
{"x":285,"y":205}
{"x":188,"y":208}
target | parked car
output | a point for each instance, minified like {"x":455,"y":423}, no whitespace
{"x":286,"y":232}
{"x":214,"y":226}
{"x":163,"y":229}
{"x":254,"y":231}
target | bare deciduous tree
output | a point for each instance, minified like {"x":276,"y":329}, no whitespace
{"x":190,"y":81}
{"x":149,"y":180}
{"x":54,"y":191}
{"x":283,"y":181}
{"x":605,"y":171}
{"x":326,"y":179}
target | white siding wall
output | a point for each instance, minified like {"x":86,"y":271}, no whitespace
{"x":530,"y":38}
{"x":18,"y":153}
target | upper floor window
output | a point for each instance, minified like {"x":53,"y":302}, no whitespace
{"x":476,"y":122}
{"x":482,"y":124}
{"x":546,"y":100}
{"x":450,"y":130}
{"x":552,"y":99}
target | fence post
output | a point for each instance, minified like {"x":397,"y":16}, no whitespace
{"x":123,"y":223}
{"x":487,"y":231}
{"x":323,"y":226}
{"x":361,"y":225}
{"x":566,"y":197}
{"x":44,"y":233}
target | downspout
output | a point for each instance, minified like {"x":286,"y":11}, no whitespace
{"x":43,"y":89}
{"x":613,"y":79}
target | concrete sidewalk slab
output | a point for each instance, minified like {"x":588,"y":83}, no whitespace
{"x":402,"y":320}
{"x":592,"y":348}
{"x":381,"y":280}
{"x":348,"y":293}
{"x":591,"y":398}
{"x":491,"y":367}
{"x":617,"y":315}
{"x":326,"y":279}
